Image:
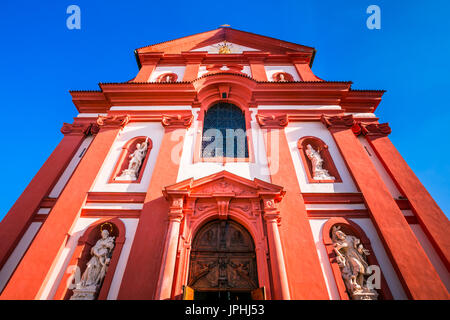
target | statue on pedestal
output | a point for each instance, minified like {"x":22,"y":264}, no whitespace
{"x":318,"y":172}
{"x":91,"y":280}
{"x":136,"y":158}
{"x":351,"y":258}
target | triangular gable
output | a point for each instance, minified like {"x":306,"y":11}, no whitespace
{"x":237,"y":37}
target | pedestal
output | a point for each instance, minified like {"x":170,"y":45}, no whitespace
{"x":87,"y":293}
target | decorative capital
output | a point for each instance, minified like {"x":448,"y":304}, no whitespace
{"x":177,"y":121}
{"x":375,"y":129}
{"x":79,"y":129}
{"x":338,"y":122}
{"x":273,"y":121}
{"x":113,"y":121}
{"x":271,"y":212}
{"x":176,"y":209}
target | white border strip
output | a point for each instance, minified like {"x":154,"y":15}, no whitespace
{"x":332,"y":206}
{"x":90,"y":115}
{"x":132,"y":206}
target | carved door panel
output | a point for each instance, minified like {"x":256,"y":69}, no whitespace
{"x":259,"y":294}
{"x":223,"y":258}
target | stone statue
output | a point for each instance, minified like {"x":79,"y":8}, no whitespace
{"x":136,"y":158}
{"x":91,"y":280}
{"x":351,"y":258}
{"x":281,"y":78}
{"x":319,"y":173}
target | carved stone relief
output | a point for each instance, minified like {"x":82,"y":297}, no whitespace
{"x":223,"y":257}
{"x":135,"y":163}
{"x":91,"y":280}
{"x":318,"y":172}
{"x":351,"y":258}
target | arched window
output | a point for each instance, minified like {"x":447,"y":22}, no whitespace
{"x":224,"y":132}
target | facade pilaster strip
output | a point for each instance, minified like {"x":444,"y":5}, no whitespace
{"x":17,"y":220}
{"x":400,"y":242}
{"x":305,"y":274}
{"x":141,"y":277}
{"x":32,"y":272}
{"x":430,"y":216}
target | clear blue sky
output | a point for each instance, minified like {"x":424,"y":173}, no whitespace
{"x":40,"y":60}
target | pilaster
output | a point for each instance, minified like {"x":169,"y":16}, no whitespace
{"x":37,"y":264}
{"x":433,"y":221}
{"x":303,"y":268}
{"x":419,"y":278}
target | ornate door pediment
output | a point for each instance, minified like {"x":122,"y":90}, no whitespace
{"x":223,"y":187}
{"x":232,"y":254}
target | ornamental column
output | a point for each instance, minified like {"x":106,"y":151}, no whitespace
{"x":419,"y":278}
{"x":305,"y":277}
{"x":19,"y":217}
{"x":141,"y":276}
{"x":31,"y":274}
{"x":166,"y":274}
{"x":279,"y":276}
{"x":430,"y":216}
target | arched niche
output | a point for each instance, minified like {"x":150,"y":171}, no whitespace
{"x":167,"y":77}
{"x":282,"y":77}
{"x":82,"y":255}
{"x":350,"y":228}
{"x":124,"y":159}
{"x":328,"y":164}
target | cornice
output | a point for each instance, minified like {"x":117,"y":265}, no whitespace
{"x":262,"y":93}
{"x":296,"y":115}
{"x":362,"y":100}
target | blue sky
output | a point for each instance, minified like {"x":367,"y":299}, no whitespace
{"x":40,"y":60}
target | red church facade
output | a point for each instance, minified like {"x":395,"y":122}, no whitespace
{"x":146,"y":198}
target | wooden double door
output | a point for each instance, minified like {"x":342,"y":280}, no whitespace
{"x":223,"y":264}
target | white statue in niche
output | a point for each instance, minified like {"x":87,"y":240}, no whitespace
{"x":92,"y":278}
{"x":319,"y":173}
{"x":351,"y":258}
{"x":136,"y":158}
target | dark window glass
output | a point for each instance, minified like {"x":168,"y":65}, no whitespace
{"x":224,"y":132}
